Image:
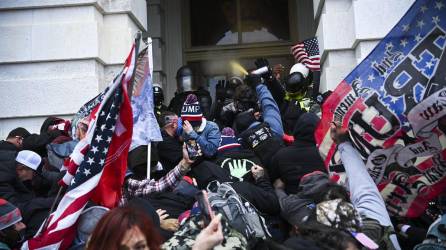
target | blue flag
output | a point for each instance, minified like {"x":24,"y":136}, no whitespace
{"x":394,"y":104}
{"x":145,"y":125}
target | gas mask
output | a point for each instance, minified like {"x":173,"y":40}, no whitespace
{"x":186,"y":80}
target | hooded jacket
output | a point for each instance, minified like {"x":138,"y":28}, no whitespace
{"x":302,"y":157}
{"x":237,"y":162}
{"x":170,"y":151}
{"x":265,"y":139}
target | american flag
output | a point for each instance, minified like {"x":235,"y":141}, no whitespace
{"x":97,"y":165}
{"x":307,"y":53}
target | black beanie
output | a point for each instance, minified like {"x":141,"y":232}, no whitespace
{"x":18,"y":132}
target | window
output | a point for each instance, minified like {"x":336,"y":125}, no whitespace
{"x":235,"y":22}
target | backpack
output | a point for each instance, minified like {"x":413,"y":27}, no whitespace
{"x":184,"y":238}
{"x":240,"y":214}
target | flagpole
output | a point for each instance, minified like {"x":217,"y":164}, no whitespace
{"x":131,"y":82}
{"x":150,"y":58}
{"x":53,"y":206}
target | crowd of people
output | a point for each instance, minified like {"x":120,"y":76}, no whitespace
{"x":252,"y":150}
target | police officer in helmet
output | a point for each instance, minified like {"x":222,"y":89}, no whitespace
{"x":297,"y":91}
{"x":188,"y":83}
{"x":158,"y":100}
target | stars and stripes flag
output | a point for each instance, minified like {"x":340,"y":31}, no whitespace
{"x":307,"y":53}
{"x":394,"y":104}
{"x":97,"y":166}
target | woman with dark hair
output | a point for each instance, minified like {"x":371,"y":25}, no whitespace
{"x":125,"y":228}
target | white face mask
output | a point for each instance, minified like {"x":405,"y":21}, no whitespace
{"x":186,"y":83}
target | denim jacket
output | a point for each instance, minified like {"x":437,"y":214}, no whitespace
{"x":207,"y":136}
{"x":270,"y":111}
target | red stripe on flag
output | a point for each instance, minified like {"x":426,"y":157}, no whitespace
{"x":109,"y":188}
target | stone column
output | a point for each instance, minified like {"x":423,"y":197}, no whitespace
{"x":58,"y":54}
{"x":156,"y":16}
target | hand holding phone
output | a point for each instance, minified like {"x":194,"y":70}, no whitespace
{"x":193,"y":149}
{"x":206,"y":211}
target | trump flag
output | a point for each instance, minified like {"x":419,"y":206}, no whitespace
{"x":394,"y":104}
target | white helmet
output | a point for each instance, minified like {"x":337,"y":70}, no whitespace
{"x":300,"y":68}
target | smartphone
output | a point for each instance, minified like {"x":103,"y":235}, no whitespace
{"x":192,"y":149}
{"x":206,"y":210}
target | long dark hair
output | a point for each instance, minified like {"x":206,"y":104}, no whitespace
{"x":112,"y":227}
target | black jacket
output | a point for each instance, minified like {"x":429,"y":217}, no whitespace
{"x":170,"y":151}
{"x":290,"y":111}
{"x":7,"y":146}
{"x":34,"y":209}
{"x":230,"y":160}
{"x":8,"y":152}
{"x":260,"y":194}
{"x":207,"y":171}
{"x":264,"y":148}
{"x":301,"y":158}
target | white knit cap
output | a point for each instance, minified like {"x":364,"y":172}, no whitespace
{"x":29,"y":159}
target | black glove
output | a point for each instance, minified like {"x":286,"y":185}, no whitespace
{"x":261,"y":62}
{"x":321,"y":98}
{"x":253,"y":80}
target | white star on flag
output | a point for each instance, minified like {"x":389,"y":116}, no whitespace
{"x":101,"y":162}
{"x":439,"y":5}
{"x":109,"y":139}
{"x":394,"y":99}
{"x":406,"y":27}
{"x":94,"y":149}
{"x":429,"y":64}
{"x":435,"y":19}
{"x":403,"y":42}
{"x":87,"y":172}
{"x":418,"y":37}
{"x":371,"y":77}
{"x":90,"y":161}
{"x":98,"y":138}
{"x":420,"y":24}
{"x":423,"y":8}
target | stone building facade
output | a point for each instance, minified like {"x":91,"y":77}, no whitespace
{"x":57,"y":54}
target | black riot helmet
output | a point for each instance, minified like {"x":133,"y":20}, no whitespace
{"x":231,"y":85}
{"x":299,"y":79}
{"x":186,"y":80}
{"x":158,"y":95}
